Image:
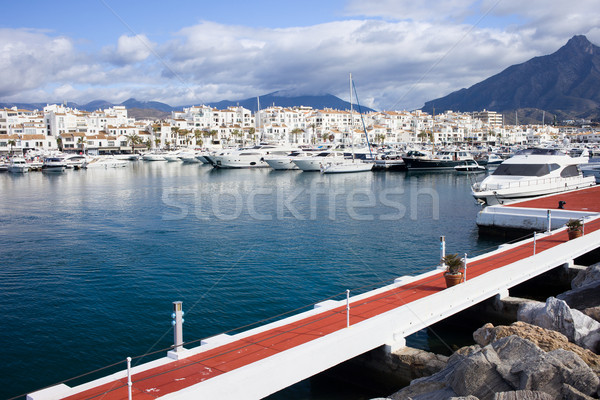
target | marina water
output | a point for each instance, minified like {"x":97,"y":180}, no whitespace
{"x":92,"y":260}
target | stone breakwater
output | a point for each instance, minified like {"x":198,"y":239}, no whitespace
{"x":551,"y":352}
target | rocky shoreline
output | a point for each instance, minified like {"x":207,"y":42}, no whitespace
{"x":551,"y":352}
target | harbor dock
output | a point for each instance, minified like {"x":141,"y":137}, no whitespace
{"x":264,"y":360}
{"x":540,"y":214}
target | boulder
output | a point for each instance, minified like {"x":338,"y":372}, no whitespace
{"x":589,"y":275}
{"x":506,"y":365}
{"x":585,"y":299}
{"x":523,"y":395}
{"x":557,"y":315}
{"x":545,"y":339}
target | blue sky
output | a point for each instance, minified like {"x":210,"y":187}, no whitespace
{"x":401,"y":53}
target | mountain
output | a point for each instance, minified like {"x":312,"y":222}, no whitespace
{"x":157,"y":110}
{"x":283,"y":100}
{"x":565,"y":84}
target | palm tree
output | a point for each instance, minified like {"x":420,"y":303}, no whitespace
{"x":59,"y":143}
{"x":133,"y":139}
{"x":296,"y":132}
{"x":81,"y":143}
{"x":157,"y":142}
{"x":198,"y":137}
{"x":11,"y":143}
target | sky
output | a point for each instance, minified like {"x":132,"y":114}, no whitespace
{"x":400,"y":53}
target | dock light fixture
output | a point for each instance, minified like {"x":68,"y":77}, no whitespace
{"x":177,"y":323}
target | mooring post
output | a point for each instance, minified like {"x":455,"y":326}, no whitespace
{"x":347,"y":308}
{"x":129,"y":383}
{"x":177,"y":326}
{"x":442,"y":250}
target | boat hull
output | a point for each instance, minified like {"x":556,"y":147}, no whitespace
{"x":524,"y":191}
{"x":433,"y":164}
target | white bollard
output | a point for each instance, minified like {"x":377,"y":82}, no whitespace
{"x":549,"y":217}
{"x":177,"y":326}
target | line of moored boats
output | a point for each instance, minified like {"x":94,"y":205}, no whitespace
{"x":526,"y":173}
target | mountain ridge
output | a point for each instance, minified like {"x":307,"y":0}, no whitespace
{"x":162,"y":110}
{"x":565,"y":84}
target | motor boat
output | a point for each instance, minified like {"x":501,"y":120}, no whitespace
{"x":105,"y":162}
{"x":189,"y":157}
{"x":154,"y":157}
{"x":315,"y":162}
{"x":253,"y":157}
{"x":54,"y":164}
{"x":74,"y":161}
{"x":172,"y":156}
{"x":286,"y":162}
{"x":445,"y":159}
{"x":469,"y":166}
{"x":346,"y":165}
{"x":18,"y":165}
{"x":531,"y":173}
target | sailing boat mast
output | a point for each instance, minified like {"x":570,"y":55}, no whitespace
{"x":351,"y":120}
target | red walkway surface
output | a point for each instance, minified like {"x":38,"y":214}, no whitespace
{"x":579,"y":200}
{"x":181,"y":374}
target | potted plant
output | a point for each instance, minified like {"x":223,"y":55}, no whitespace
{"x":454,"y":266}
{"x":574,"y":228}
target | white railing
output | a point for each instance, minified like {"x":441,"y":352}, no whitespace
{"x":557,"y":181}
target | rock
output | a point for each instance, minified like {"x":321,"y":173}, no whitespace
{"x":589,"y":275}
{"x":545,"y":339}
{"x":585,"y":299}
{"x":556,"y":315}
{"x":420,"y":363}
{"x":570,"y":393}
{"x":464,"y":398}
{"x":523,"y":395}
{"x":424,"y":390}
{"x":506,"y":365}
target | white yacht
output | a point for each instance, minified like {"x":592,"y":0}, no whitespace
{"x":253,"y":157}
{"x":105,"y":162}
{"x":286,"y":161}
{"x":345,"y":165}
{"x":532,"y":173}
{"x":18,"y":165}
{"x":74,"y":161}
{"x":54,"y":164}
{"x":316,"y":162}
{"x":189,"y":157}
{"x":154,"y":157}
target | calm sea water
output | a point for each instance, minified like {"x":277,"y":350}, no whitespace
{"x":91,"y":261}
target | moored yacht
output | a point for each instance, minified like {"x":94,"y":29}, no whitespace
{"x":54,"y":164}
{"x":345,"y":165}
{"x":18,"y":165}
{"x":445,"y":159}
{"x":531,"y":173}
{"x":316,"y":162}
{"x":253,"y":157}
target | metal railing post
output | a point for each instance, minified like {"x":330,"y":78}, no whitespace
{"x":549,"y":221}
{"x":442,"y":250}
{"x":465,"y":274}
{"x":129,"y":383}
{"x":534,"y":241}
{"x":347,"y":308}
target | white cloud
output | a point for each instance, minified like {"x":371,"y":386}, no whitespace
{"x":129,"y":50}
{"x":400,"y":53}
